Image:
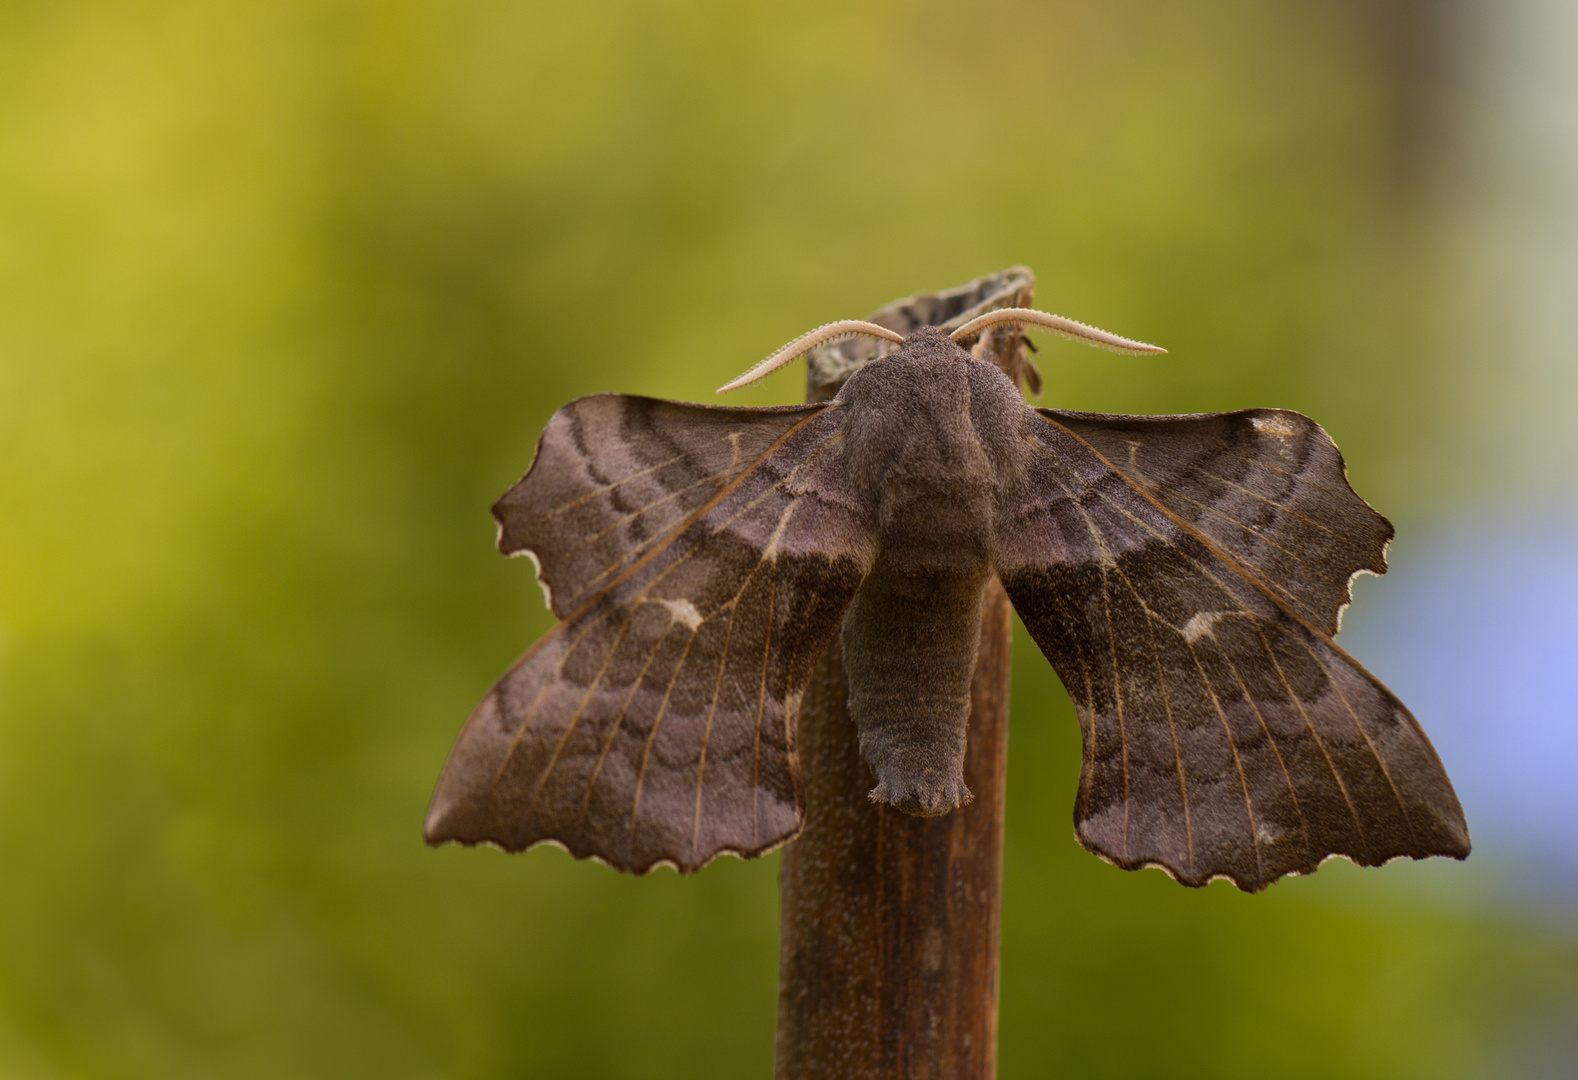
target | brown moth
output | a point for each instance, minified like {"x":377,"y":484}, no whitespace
{"x":1183,"y":574}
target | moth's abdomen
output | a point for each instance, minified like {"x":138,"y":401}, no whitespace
{"x":910,"y":640}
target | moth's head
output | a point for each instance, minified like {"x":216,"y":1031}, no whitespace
{"x":964,"y":335}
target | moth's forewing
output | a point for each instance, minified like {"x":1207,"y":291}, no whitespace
{"x":1267,"y":486}
{"x":615,"y":475}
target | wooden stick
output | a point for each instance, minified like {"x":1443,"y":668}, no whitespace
{"x":889,"y":952}
{"x":888,"y":963}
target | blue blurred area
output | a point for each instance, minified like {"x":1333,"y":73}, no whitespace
{"x":1476,"y":629}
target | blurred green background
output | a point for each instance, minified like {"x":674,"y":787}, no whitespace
{"x":288,"y":290}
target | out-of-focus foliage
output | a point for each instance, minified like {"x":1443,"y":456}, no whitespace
{"x":287,"y":291}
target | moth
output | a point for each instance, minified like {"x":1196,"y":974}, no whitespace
{"x":1183,"y":574}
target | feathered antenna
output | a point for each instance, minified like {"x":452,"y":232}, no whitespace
{"x":1068,"y":328}
{"x":805,"y":342}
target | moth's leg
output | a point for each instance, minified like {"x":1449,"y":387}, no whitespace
{"x":909,"y":646}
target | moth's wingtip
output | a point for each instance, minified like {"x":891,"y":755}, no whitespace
{"x":447,"y":822}
{"x":1459,"y":845}
{"x":434,"y":831}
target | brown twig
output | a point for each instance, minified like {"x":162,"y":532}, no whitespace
{"x":889,"y":951}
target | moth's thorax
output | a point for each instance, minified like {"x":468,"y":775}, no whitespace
{"x":933,"y":443}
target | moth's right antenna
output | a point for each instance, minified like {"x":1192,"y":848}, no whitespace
{"x":806,"y":342}
{"x":1068,"y":328}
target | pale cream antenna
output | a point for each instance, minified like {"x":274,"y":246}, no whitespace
{"x":806,"y":342}
{"x":1076,"y":331}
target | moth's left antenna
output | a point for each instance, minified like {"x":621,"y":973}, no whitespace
{"x":1068,"y":328}
{"x":806,"y":342}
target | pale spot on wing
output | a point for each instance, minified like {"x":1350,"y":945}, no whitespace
{"x":1200,"y":623}
{"x":1266,"y":832}
{"x":770,"y":552}
{"x":683,"y":611}
{"x":1274,"y":425}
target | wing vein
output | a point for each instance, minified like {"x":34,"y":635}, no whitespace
{"x":1167,"y":707}
{"x":1397,"y":796}
{"x":1112,"y":639}
{"x":1238,"y":764}
{"x":761,"y":712}
{"x":575,"y":720}
{"x":613,"y":732}
{"x":1283,"y":507}
{"x":1309,"y":726}
{"x":531,"y":713}
{"x":1272,"y":739}
{"x":699,"y":513}
{"x":773,"y":489}
{"x":604,"y":489}
{"x":646,"y":751}
{"x":706,"y":734}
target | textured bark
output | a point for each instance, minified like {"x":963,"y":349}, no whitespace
{"x":889,"y":953}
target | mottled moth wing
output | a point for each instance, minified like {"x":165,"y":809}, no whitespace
{"x":1267,"y":486}
{"x":615,"y":474}
{"x":655,"y":723}
{"x":1225,"y":734}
